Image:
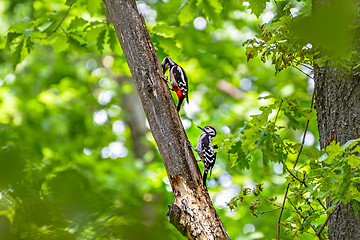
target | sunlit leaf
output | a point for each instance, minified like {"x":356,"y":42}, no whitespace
{"x":17,"y":55}
{"x":76,"y":23}
{"x":187,"y":13}
{"x":257,"y":6}
{"x":101,"y":40}
{"x":60,"y":43}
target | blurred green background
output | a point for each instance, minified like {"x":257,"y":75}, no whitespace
{"x":77,"y":159}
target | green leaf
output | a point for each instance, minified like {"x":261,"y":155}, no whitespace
{"x":320,"y":62}
{"x":165,"y":30}
{"x":16,"y":57}
{"x":93,"y":34}
{"x":112,"y":39}
{"x":355,"y":205}
{"x":93,"y":6}
{"x":257,"y":6}
{"x":29,"y":45}
{"x":353,"y":161}
{"x":323,"y":157}
{"x":76,"y":23}
{"x":217,"y":6}
{"x":241,"y":160}
{"x":100,"y":40}
{"x":187,"y":13}
{"x":76,"y":45}
{"x":265,"y":97}
{"x":219,"y":140}
{"x":60,"y":44}
{"x":350,"y":143}
{"x":322,"y":29}
{"x":356,"y":149}
{"x":11,"y":36}
{"x":169,"y":46}
{"x":11,"y":165}
{"x":333,"y":150}
{"x":16,"y":27}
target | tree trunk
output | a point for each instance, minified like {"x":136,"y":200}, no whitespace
{"x":337,"y":104}
{"x":192,"y":212}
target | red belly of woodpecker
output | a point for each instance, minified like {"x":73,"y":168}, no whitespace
{"x":177,"y":91}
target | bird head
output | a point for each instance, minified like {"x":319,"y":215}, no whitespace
{"x":166,"y":64}
{"x":210,"y":130}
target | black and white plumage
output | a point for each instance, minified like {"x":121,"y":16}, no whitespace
{"x":178,"y":80}
{"x":205,"y":150}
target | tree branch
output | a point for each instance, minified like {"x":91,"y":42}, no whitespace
{"x":192,"y":212}
{"x":277,"y":7}
{"x":303,"y":72}
{"x":328,"y":218}
{"x":59,"y":25}
{"x":303,"y":217}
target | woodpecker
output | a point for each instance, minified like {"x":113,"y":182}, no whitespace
{"x":205,"y":150}
{"x":178,"y":80}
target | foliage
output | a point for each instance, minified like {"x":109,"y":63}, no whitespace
{"x":289,"y":40}
{"x":333,"y":172}
{"x":69,"y":166}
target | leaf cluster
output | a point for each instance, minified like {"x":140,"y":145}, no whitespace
{"x":61,"y":30}
{"x":277,"y":42}
{"x":262,"y":135}
{"x":331,"y":173}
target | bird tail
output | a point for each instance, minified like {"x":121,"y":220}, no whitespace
{"x":181,"y":99}
{"x":205,"y":176}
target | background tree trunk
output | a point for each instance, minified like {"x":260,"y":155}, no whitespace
{"x":136,"y":120}
{"x":338,"y":112}
{"x":192,"y":212}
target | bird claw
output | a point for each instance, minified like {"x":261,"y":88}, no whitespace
{"x":165,"y":78}
{"x":189,"y":144}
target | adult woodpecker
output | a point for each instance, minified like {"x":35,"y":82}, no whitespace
{"x":205,"y":150}
{"x":178,"y":80}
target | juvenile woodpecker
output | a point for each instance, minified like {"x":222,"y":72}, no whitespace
{"x":205,"y":150}
{"x":178,"y":80}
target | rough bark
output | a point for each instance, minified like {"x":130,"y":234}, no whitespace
{"x":337,"y":104}
{"x":192,"y":212}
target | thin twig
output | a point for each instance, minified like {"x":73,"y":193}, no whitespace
{"x":282,"y":209}
{"x":272,"y":210}
{"x":321,"y":204}
{"x":277,"y":114}
{"x":272,"y":203}
{"x":301,"y":181}
{"x":296,"y":161}
{"x":317,"y":176}
{"x":303,"y":72}
{"x":277,"y":7}
{"x":59,"y":25}
{"x":64,"y":31}
{"x":328,"y":218}
{"x":304,"y":65}
{"x":316,"y":232}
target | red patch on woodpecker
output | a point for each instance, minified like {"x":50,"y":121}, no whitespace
{"x":177,"y":91}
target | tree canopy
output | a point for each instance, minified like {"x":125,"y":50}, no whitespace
{"x":77,"y":158}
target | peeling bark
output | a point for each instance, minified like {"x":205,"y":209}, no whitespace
{"x":192,"y":212}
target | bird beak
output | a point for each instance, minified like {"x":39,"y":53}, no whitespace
{"x":163,"y":68}
{"x":200,"y":127}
